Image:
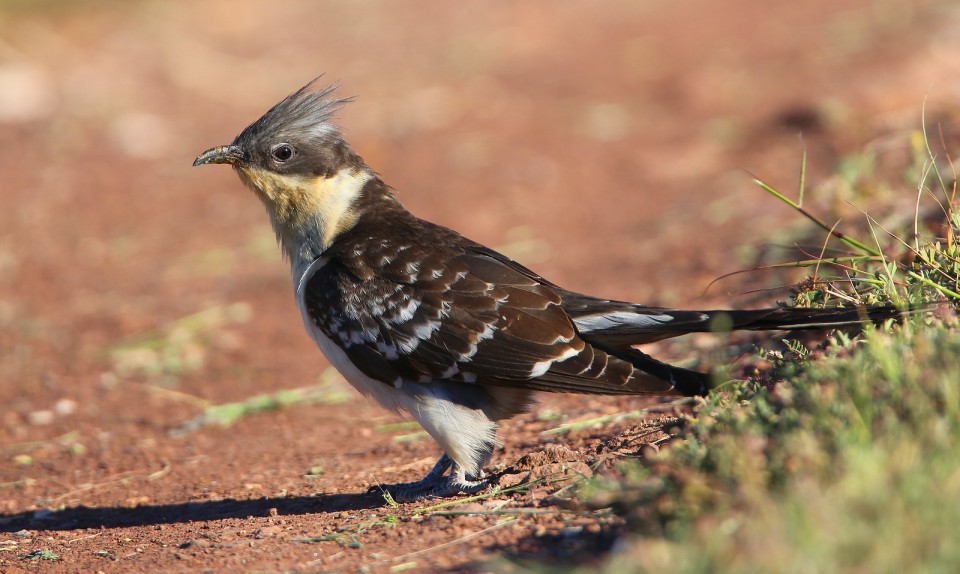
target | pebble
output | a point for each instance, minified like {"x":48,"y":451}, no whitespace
{"x":65,"y":407}
{"x":43,"y":417}
{"x":267,"y":531}
{"x":195,"y":543}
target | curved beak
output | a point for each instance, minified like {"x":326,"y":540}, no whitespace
{"x":230,"y":154}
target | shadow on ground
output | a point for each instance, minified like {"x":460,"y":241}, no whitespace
{"x":81,"y":517}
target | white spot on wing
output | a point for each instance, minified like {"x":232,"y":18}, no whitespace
{"x":388,"y":351}
{"x":406,"y":312}
{"x":453,"y":370}
{"x":426,"y":330}
{"x":487,"y":333}
{"x":408,"y":345}
{"x":541,"y":368}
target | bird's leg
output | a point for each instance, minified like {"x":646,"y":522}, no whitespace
{"x":467,"y":484}
{"x":438,"y":470}
{"x":436,"y":484}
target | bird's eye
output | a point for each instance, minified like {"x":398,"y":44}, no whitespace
{"x":282,"y":152}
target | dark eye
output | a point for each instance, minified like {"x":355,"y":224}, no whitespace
{"x":282,"y":152}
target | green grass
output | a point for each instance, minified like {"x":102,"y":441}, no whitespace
{"x":180,"y":347}
{"x":42,"y":554}
{"x":853,"y":465}
{"x":327,"y":391}
{"x":850,"y":463}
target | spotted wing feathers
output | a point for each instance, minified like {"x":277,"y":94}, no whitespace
{"x":409,"y":311}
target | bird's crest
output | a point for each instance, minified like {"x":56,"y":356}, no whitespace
{"x":308,"y":111}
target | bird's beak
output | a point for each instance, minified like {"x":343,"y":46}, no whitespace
{"x":231,"y":154}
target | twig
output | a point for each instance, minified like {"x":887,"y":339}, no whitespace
{"x":84,"y":537}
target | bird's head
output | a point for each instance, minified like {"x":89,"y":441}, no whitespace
{"x":295,"y":138}
{"x":309,"y":178}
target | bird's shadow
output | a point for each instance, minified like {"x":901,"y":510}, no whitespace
{"x":80,"y":517}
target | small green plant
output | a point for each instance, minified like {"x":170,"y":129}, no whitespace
{"x":42,"y":554}
{"x":927,"y":270}
{"x":182,"y":346}
{"x":328,"y":390}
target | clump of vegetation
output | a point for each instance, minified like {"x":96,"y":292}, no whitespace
{"x":851,"y":462}
{"x":181,"y":347}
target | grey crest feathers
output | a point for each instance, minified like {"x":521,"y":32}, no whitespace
{"x":303,"y":120}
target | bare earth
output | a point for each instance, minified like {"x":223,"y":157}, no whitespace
{"x":609,"y":148}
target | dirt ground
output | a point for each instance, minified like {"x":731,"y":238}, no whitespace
{"x":610,"y":148}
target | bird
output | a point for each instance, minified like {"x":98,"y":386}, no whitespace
{"x":440,"y":327}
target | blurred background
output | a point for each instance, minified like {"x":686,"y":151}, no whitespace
{"x":609,"y":146}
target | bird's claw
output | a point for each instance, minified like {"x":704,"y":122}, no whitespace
{"x":423,"y":489}
{"x":436,"y":484}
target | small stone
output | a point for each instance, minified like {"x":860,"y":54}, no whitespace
{"x":43,"y":417}
{"x":196,"y":543}
{"x":65,"y":407}
{"x":267,"y":531}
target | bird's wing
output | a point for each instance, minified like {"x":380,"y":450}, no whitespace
{"x":618,"y":324}
{"x":427,"y":313}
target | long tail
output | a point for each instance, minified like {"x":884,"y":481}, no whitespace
{"x":689,"y":383}
{"x":616,"y":329}
{"x":620,"y":324}
{"x":793,"y":318}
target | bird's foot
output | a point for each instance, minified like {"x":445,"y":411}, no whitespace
{"x":436,"y":484}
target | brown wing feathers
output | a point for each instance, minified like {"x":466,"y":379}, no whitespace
{"x":446,"y":313}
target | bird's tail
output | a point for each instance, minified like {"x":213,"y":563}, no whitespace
{"x":794,"y":318}
{"x":691,"y":383}
{"x":619,"y":325}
